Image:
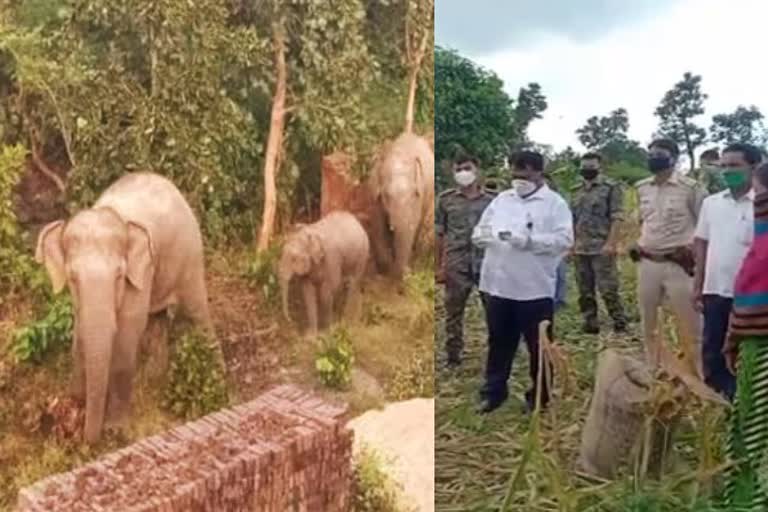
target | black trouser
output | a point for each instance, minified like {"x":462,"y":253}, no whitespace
{"x":507,"y":320}
{"x":717,"y":310}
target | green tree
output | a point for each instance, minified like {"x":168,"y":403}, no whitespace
{"x":599,"y":131}
{"x":419,"y":48}
{"x":321,"y":64}
{"x":472,"y":111}
{"x":608,"y":136}
{"x":531,"y":104}
{"x":745,"y":124}
{"x":137,"y":85}
{"x":677,"y":112}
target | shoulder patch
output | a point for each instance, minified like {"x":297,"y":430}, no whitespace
{"x":644,"y":181}
{"x":448,"y":192}
{"x":690,"y":182}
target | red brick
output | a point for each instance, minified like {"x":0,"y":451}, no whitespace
{"x":283,"y":446}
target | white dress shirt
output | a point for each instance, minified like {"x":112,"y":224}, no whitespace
{"x":523,"y":266}
{"x":727,"y":225}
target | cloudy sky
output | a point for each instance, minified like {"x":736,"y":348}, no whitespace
{"x":593,"y":56}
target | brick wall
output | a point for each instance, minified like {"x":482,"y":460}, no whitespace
{"x":287,"y":450}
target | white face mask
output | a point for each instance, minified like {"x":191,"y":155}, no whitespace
{"x":524,"y":187}
{"x":465,"y":178}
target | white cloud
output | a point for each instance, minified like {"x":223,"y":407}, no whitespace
{"x":634,"y":67}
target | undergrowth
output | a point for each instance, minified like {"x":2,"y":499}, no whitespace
{"x":54,"y":331}
{"x":197,"y":384}
{"x":334,"y":362}
{"x":373,"y":490}
{"x":261,"y":273}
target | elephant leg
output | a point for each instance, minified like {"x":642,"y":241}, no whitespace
{"x":193,"y":298}
{"x":354,"y":304}
{"x":131,"y":328}
{"x":380,"y":239}
{"x":77,"y":386}
{"x":310,"y":302}
{"x":326,"y":305}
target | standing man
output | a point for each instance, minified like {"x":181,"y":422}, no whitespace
{"x":669,"y":210}
{"x":525,"y":232}
{"x":709,"y":174}
{"x":597,"y":207}
{"x":458,"y":210}
{"x":723,"y":236}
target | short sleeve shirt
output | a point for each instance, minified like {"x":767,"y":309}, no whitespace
{"x":669,"y":211}
{"x":726,"y":224}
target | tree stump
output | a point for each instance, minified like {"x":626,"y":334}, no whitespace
{"x":340,"y":190}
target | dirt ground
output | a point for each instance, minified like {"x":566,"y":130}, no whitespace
{"x":260,"y":351}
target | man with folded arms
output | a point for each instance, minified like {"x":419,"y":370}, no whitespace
{"x":525,"y":233}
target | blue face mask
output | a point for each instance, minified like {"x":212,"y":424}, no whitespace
{"x":657,"y":164}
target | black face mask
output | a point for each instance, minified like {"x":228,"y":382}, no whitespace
{"x":657,"y":164}
{"x":588,"y":174}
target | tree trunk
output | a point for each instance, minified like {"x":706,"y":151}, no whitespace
{"x":413,"y":82}
{"x":274,"y":141}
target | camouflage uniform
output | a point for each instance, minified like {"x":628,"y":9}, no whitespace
{"x":712,"y":180}
{"x":596,"y":206}
{"x":455,"y":219}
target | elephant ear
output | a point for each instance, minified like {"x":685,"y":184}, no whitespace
{"x":51,"y":253}
{"x":140,"y":256}
{"x":316,"y":249}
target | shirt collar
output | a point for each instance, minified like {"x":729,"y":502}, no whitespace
{"x":538,"y":195}
{"x":673,"y":179}
{"x":749,"y":195}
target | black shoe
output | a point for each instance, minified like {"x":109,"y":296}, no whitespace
{"x":590,"y":329}
{"x":530,"y":403}
{"x":620,"y":328}
{"x":488,"y":406}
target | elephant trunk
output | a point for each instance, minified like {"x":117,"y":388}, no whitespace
{"x":285,"y":284}
{"x":97,"y":329}
{"x":404,"y":238}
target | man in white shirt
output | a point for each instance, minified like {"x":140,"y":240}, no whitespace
{"x":525,"y":231}
{"x":723,"y":235}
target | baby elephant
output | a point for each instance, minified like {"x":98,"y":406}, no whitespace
{"x":135,"y":252}
{"x":322,"y":256}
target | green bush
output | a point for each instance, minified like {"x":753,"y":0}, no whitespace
{"x":261,"y":273}
{"x":334,"y":362}
{"x":373,"y":490}
{"x":20,"y":272}
{"x":197,"y":383}
{"x":31,"y":343}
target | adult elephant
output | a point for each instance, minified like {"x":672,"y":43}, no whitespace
{"x":402,"y":184}
{"x":135,"y":252}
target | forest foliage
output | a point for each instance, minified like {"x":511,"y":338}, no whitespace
{"x":94,"y":89}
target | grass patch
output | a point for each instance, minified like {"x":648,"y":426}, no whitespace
{"x":374,"y":491}
{"x":481,"y":460}
{"x":335,"y":360}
